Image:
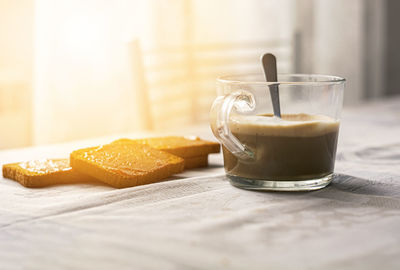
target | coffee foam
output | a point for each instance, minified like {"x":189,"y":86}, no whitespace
{"x":290,"y":125}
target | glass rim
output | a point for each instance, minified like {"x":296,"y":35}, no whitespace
{"x":324,"y":79}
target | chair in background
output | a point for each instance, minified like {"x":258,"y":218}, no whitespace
{"x":176,"y":86}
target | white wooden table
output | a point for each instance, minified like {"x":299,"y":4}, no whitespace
{"x":197,"y":220}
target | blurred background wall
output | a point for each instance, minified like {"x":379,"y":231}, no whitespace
{"x":16,"y":67}
{"x":79,"y":69}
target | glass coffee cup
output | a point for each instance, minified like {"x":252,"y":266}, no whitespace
{"x":262,"y":152}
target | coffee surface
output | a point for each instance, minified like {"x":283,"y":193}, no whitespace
{"x":296,"y":147}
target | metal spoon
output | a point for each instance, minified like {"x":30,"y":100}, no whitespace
{"x":268,"y":61}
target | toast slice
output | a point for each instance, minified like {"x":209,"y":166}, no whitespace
{"x":45,"y":172}
{"x":126,"y":163}
{"x":184,"y":147}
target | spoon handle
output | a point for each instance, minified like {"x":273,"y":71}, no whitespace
{"x":269,"y":65}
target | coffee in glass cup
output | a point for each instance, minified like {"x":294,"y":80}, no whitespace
{"x":264,"y":152}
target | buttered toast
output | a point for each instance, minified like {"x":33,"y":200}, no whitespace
{"x":122,"y":163}
{"x":45,"y":172}
{"x":126,"y":163}
{"x":181,"y":146}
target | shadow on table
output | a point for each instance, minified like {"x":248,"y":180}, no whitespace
{"x":351,"y":184}
{"x":362,"y":192}
{"x":357,"y":185}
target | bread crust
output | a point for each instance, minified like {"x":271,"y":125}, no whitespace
{"x":196,"y":162}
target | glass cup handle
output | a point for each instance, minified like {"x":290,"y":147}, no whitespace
{"x":241,"y":102}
